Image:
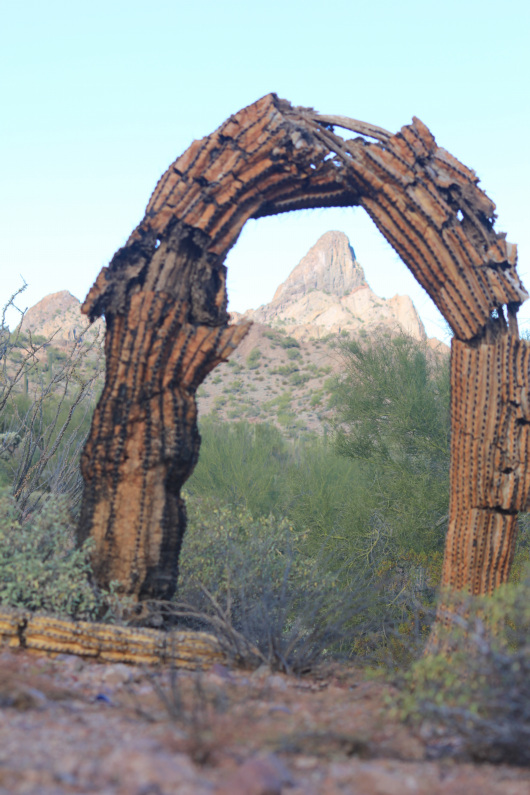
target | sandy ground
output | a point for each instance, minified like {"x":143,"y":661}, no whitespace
{"x":69,"y":725}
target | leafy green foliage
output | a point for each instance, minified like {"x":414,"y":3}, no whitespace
{"x":285,"y":369}
{"x":253,"y":466}
{"x":381,"y":504}
{"x":393,"y":418}
{"x":293,"y":353}
{"x":40,"y":566}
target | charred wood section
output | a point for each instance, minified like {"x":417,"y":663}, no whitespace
{"x":144,"y":441}
{"x":164,"y":299}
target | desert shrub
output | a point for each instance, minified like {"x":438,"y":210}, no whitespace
{"x":297,"y":379}
{"x":235,"y":386}
{"x":478,"y":688}
{"x":316,"y":398}
{"x":253,"y":359}
{"x":234,"y":365}
{"x":250,"y":582}
{"x":46,"y":402}
{"x":289,"y":342}
{"x":323,"y":495}
{"x":40,"y":566}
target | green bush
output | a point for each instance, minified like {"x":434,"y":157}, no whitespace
{"x":253,"y":359}
{"x":40,"y":566}
{"x":48,"y":406}
{"x":392,"y":404}
{"x":316,"y":398}
{"x":241,"y":464}
{"x":478,"y":688}
{"x":297,"y":379}
{"x":289,"y":342}
{"x":293,"y":353}
{"x":235,"y":365}
{"x":303,"y":479}
{"x":286,"y":369}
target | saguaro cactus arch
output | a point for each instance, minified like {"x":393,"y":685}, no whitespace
{"x":164,"y":299}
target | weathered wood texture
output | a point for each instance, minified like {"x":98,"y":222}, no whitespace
{"x":490,"y":451}
{"x":105,"y":642}
{"x":163,"y":296}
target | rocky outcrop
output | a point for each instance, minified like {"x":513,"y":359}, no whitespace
{"x":58,"y":316}
{"x":327,"y":293}
{"x":329,"y":267}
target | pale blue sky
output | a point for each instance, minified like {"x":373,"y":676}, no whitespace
{"x":98,"y":98}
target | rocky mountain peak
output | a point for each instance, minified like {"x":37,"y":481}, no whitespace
{"x":58,"y":315}
{"x":327,"y":293}
{"x":329,"y":266}
{"x":50,"y":307}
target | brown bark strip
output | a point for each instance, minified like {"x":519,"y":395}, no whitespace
{"x":164,"y":299}
{"x":144,"y":440}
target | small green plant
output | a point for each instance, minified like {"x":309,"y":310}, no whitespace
{"x":286,"y":369}
{"x":40,"y":566}
{"x":316,"y":398}
{"x":297,"y":379}
{"x":236,"y":385}
{"x":289,"y":342}
{"x":253,"y":359}
{"x":234,"y":365}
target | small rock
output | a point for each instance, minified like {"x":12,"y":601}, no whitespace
{"x":259,"y":673}
{"x":264,"y":775}
{"x":277,"y":682}
{"x":222,"y":672}
{"x":136,"y":769}
{"x":305,"y":762}
{"x":116,"y":674}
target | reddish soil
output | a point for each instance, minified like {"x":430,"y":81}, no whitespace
{"x":69,"y":725}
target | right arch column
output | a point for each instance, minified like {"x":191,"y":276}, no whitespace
{"x":490,"y":451}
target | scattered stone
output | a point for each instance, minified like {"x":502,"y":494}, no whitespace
{"x":116,"y":674}
{"x":264,"y":775}
{"x":333,"y":742}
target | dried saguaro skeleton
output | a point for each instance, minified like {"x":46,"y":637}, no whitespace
{"x":38,"y":632}
{"x":163,"y":296}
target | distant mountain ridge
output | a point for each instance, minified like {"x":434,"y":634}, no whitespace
{"x":280,"y":372}
{"x":326,"y":293}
